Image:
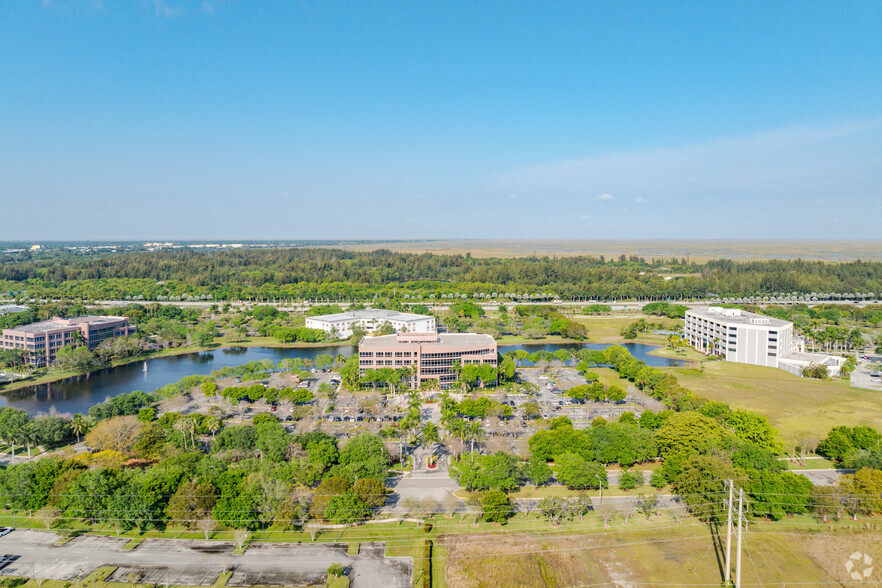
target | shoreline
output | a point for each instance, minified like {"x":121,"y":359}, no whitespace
{"x":176,"y":351}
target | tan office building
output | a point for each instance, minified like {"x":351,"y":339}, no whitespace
{"x":43,"y":339}
{"x":431,"y":355}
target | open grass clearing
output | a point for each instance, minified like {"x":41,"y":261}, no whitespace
{"x":797,"y":407}
{"x":676,"y":554}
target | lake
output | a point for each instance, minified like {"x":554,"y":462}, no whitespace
{"x":81,"y":393}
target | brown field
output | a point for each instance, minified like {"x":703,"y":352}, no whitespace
{"x":694,"y":250}
{"x":774,"y":553}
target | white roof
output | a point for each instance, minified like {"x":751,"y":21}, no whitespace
{"x":371,"y":314}
{"x":736,"y":316}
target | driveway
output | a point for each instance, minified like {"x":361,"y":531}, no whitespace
{"x":187,"y":562}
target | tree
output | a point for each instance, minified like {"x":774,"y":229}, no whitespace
{"x":346,"y":508}
{"x":686,"y":432}
{"x":208,"y":526}
{"x":576,"y":473}
{"x":116,"y":434}
{"x":75,"y":359}
{"x":370,"y":491}
{"x":628,"y":480}
{"x":47,"y":515}
{"x":331,"y":486}
{"x":537,"y":470}
{"x":192,"y":504}
{"x":78,"y":425}
{"x":754,"y":429}
{"x":701,"y":482}
{"x":554,"y":509}
{"x":495,"y":506}
{"x":13,"y":423}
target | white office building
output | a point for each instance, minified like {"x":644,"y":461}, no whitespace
{"x":371,"y":321}
{"x":11,"y":308}
{"x":747,"y":337}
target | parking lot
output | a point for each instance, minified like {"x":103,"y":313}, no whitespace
{"x":868,"y":373}
{"x":198,"y":563}
{"x":558,"y":404}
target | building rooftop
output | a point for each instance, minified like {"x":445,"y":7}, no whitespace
{"x":736,"y":316}
{"x":61,"y":323}
{"x":821,"y":358}
{"x":11,"y":308}
{"x":442,"y":339}
{"x":371,"y":314}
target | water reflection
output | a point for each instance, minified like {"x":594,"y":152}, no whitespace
{"x":78,"y":394}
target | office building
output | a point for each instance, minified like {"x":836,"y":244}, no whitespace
{"x":43,"y":339}
{"x":431,"y":355}
{"x":747,"y":337}
{"x":370,"y":321}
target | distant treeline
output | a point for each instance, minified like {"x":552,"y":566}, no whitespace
{"x":329,"y":273}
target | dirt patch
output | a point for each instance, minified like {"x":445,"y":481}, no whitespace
{"x":522,"y":561}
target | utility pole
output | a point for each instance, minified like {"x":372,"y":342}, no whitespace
{"x":729,"y":533}
{"x":738,"y":550}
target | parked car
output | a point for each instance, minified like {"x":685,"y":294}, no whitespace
{"x":5,"y":531}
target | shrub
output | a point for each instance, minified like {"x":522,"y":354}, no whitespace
{"x":630,"y":480}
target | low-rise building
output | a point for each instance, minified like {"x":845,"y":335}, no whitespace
{"x":43,"y":339}
{"x":748,"y":337}
{"x":370,"y":321}
{"x":431,"y":355}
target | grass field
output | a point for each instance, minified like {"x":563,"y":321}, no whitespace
{"x":607,"y":329}
{"x":692,"y":249}
{"x":795,"y":406}
{"x":653,"y":553}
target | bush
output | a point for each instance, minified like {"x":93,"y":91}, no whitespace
{"x":495,"y":506}
{"x":658,"y":480}
{"x":427,"y":564}
{"x":630,"y":480}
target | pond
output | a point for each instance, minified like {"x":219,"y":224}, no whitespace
{"x":81,"y":393}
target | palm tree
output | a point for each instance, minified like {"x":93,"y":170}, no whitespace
{"x":213,"y":424}
{"x":30,"y":436}
{"x":473,"y":432}
{"x":431,"y":433}
{"x":78,"y":425}
{"x":181,"y":426}
{"x":78,"y":339}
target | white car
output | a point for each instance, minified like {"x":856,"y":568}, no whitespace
{"x":5,"y":531}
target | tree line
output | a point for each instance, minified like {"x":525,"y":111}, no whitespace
{"x":307,"y":273}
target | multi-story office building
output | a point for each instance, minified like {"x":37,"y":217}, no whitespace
{"x":43,"y":339}
{"x":431,"y":355}
{"x":369,"y":321}
{"x":747,"y":337}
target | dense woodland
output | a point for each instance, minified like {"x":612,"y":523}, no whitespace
{"x":338,"y":274}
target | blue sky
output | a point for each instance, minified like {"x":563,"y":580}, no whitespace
{"x":174,"y":119}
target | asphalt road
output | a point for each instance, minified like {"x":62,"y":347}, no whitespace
{"x":167,"y":561}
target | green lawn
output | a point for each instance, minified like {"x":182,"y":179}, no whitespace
{"x":796,"y":406}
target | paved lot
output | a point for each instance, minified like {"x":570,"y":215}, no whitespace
{"x":161,"y":561}
{"x":860,"y":377}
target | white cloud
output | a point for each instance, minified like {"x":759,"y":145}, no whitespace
{"x":778,"y":171}
{"x":513,"y":196}
{"x":585,"y":217}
